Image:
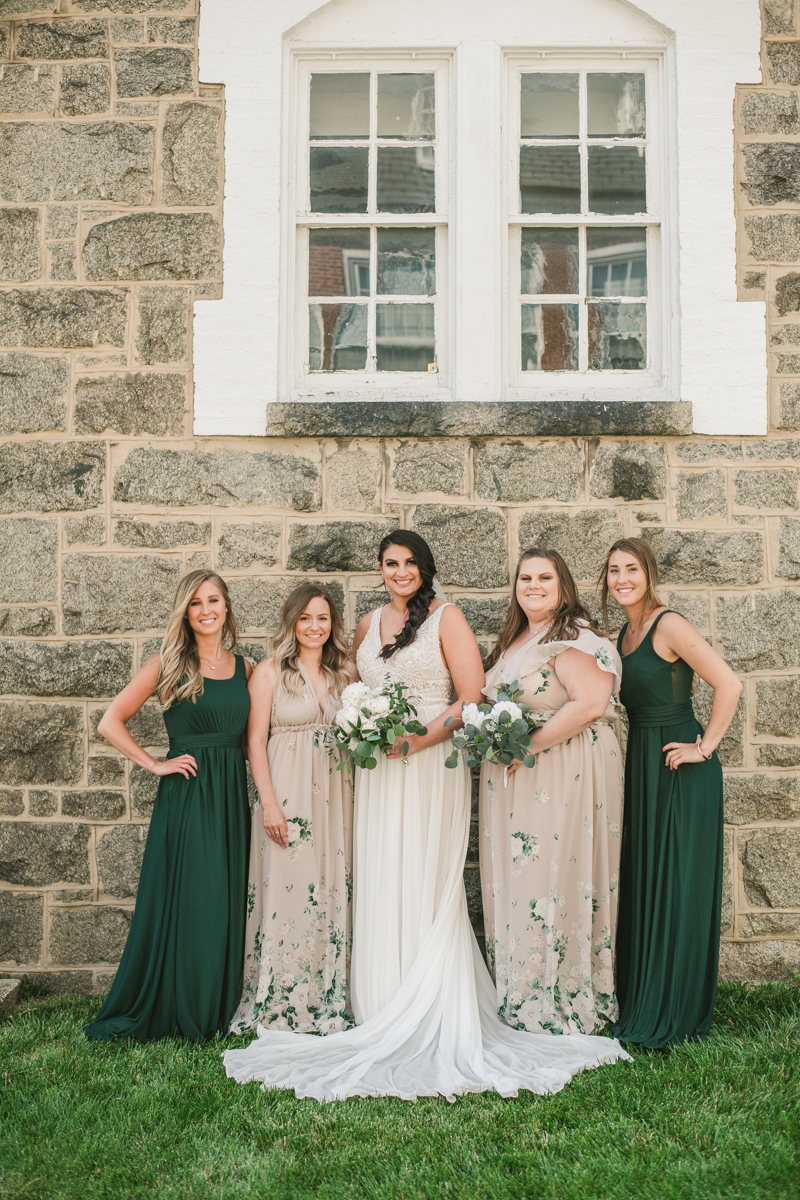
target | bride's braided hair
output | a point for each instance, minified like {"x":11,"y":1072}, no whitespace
{"x":420,"y":602}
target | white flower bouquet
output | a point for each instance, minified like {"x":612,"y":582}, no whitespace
{"x":371,"y":720}
{"x":498,"y":733}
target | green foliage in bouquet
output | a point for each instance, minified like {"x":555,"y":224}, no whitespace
{"x":371,"y":720}
{"x":498,"y":733}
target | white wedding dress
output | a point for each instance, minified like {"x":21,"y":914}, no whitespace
{"x":422,"y":996}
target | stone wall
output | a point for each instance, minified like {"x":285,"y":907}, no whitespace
{"x":110,"y":193}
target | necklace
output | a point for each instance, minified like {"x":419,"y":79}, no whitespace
{"x":211,"y":667}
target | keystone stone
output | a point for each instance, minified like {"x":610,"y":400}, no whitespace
{"x":11,"y":804}
{"x":241,"y":545}
{"x":701,"y":494}
{"x":63,"y":318}
{"x":772,"y":173}
{"x":789,"y":548}
{"x":582,"y":537}
{"x":119,"y":860}
{"x":420,"y":467}
{"x":42,"y":803}
{"x":162,"y":535}
{"x":223,"y":477}
{"x":705,"y":450}
{"x":771,"y":867}
{"x":629,"y":470}
{"x":778,"y":707}
{"x":516,"y":472}
{"x":784,"y":61}
{"x":485,"y":614}
{"x":163,"y":332}
{"x":27,"y":622}
{"x":191,"y":153}
{"x":759,"y":962}
{"x":34,"y":855}
{"x":778,"y":16}
{"x":770,"y":112}
{"x":88,"y":935}
{"x":778,"y":755}
{"x":21,"y":927}
{"x":166,"y":72}
{"x":354,"y":478}
{"x":64,"y":668}
{"x":111,"y":160}
{"x":53,"y":40}
{"x":469,"y":544}
{"x":789,"y":406}
{"x":145,"y":727}
{"x":766,"y":489}
{"x":19,"y":244}
{"x":107,"y":593}
{"x":258,"y":602}
{"x":751,"y":798}
{"x":93,"y":805}
{"x":171,"y":29}
{"x":60,"y":476}
{"x":336,"y":546}
{"x":156,"y":245}
{"x":760,"y":631}
{"x":27,"y":89}
{"x":698,"y":556}
{"x":775,"y":238}
{"x":132,"y":404}
{"x":89,"y":531}
{"x":85,"y":89}
{"x":28,"y":551}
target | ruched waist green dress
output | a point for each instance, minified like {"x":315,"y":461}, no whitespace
{"x":181,"y":971}
{"x":670,"y":890}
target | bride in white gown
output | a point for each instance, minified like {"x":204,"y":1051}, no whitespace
{"x":424,"y":1002}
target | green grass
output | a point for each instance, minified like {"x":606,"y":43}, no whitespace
{"x":111,"y":1121}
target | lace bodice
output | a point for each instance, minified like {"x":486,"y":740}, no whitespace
{"x":419,"y":665}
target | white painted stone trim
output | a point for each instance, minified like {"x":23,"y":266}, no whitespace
{"x":717,"y":351}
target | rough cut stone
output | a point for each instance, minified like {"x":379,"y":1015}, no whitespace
{"x":11,"y":804}
{"x":63,"y":257}
{"x":162,"y":335}
{"x":755,"y":924}
{"x":98,"y":805}
{"x":789,"y":406}
{"x":775,"y":238}
{"x":106,"y":771}
{"x":697,"y":556}
{"x":90,"y":531}
{"x":485,"y":614}
{"x":751,"y":798}
{"x":766,"y":489}
{"x":133,"y":403}
{"x":56,"y":40}
{"x":367,"y":602}
{"x":583,"y":537}
{"x":727,"y":881}
{"x":63,"y":318}
{"x":20,"y":258}
{"x":166,"y":72}
{"x":759,"y":962}
{"x":9,"y":7}
{"x":107,"y":593}
{"x":629,"y":470}
{"x":692,"y":606}
{"x":26,"y":89}
{"x":354,"y":477}
{"x":257,"y":602}
{"x":336,"y":546}
{"x":771,"y":449}
{"x":787,"y":293}
{"x":111,"y":160}
{"x":21,"y":928}
{"x":127,"y":29}
{"x":171,"y":29}
{"x":27,"y":622}
{"x":761,"y":631}
{"x":119,"y":860}
{"x":34,"y":855}
{"x":420,"y":467}
{"x":705,"y":450}
{"x":784,"y":61}
{"x":33,"y":392}
{"x":154,"y":246}
{"x":778,"y":707}
{"x":145,"y":727}
{"x":778,"y":755}
{"x":772,"y":173}
{"x":516,"y":472}
{"x":241,"y":545}
{"x":731,"y":748}
{"x":28,"y":550}
{"x":64,"y":668}
{"x":128,"y":6}
{"x":162,"y":535}
{"x":786,"y":335}
{"x":88,"y":935}
{"x":58,"y":476}
{"x":789,"y":548}
{"x":223,"y":477}
{"x":42,"y":803}
{"x":9,"y":994}
{"x":778,"y":16}
{"x":754,"y":281}
{"x":190,"y":163}
{"x":85,"y":89}
{"x":770,"y":112}
{"x":788,"y":364}
{"x":771,"y":867}
{"x":701,"y":494}
{"x":143,"y":789}
{"x":469,"y":544}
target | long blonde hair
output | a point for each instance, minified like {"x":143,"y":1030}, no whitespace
{"x":643,"y":554}
{"x":286,"y":651}
{"x":179,"y":676}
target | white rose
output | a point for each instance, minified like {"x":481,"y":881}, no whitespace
{"x":507,"y":706}
{"x":347,"y":716}
{"x":472,"y":715}
{"x":355,"y":694}
{"x":380,"y":706}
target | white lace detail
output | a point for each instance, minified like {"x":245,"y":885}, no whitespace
{"x":419,"y":665}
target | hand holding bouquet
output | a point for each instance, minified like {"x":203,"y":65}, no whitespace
{"x":498,"y":733}
{"x":372,"y":719}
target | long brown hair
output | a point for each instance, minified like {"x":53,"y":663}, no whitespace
{"x":568,"y":619}
{"x":286,"y":651}
{"x":179,"y":676}
{"x":643,"y":554}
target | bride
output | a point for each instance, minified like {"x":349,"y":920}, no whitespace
{"x":424,"y":1002}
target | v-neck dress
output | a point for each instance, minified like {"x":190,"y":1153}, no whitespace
{"x":181,"y":971}
{"x":670,"y":893}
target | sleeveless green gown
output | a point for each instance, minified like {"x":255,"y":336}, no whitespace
{"x":670,"y":892}
{"x":181,"y":971}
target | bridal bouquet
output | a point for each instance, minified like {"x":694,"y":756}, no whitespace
{"x":372,"y":719}
{"x":497,"y":733}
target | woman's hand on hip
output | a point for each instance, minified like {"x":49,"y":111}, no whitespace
{"x":682,"y":752}
{"x":275,"y":824}
{"x":183,"y":765}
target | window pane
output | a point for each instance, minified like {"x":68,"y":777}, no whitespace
{"x":406,"y":106}
{"x":404,"y":337}
{"x":616,"y":105}
{"x":617,"y":336}
{"x":339,"y":105}
{"x":549,"y":261}
{"x":616,"y":262}
{"x":406,"y":179}
{"x":617,"y":179}
{"x":550,"y":337}
{"x":406,"y":263}
{"x":339,"y":179}
{"x":337,"y":337}
{"x":338,"y":262}
{"x":549,"y":105}
{"x":550,"y":179}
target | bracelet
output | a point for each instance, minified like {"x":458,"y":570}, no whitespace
{"x":706,"y":757}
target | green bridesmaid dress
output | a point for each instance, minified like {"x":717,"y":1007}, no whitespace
{"x":181,"y":972}
{"x":670,"y":892}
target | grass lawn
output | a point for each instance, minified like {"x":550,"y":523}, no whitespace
{"x":111,"y":1121}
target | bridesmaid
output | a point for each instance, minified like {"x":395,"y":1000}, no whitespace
{"x":181,"y":971}
{"x":297,"y":945}
{"x":550,"y":840}
{"x":671,"y":872}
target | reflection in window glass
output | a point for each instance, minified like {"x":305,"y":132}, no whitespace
{"x":404,"y":337}
{"x":337,"y":337}
{"x":339,"y":179}
{"x":339,"y":105}
{"x":549,"y":261}
{"x":550,"y":179}
{"x":617,"y":179}
{"x":550,"y":337}
{"x":406,"y":106}
{"x":616,"y":106}
{"x":406,"y":262}
{"x":338,"y":262}
{"x":549,"y":105}
{"x":406,"y":179}
{"x":617,"y":336}
{"x":616,"y":262}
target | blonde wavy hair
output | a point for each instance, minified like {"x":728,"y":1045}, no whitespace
{"x":179,"y":676}
{"x":286,"y":651}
